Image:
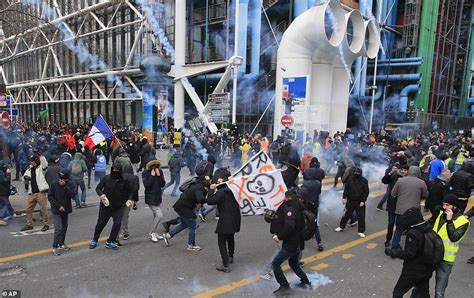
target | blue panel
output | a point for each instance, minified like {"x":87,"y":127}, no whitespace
{"x":147,"y":111}
{"x":296,"y":87}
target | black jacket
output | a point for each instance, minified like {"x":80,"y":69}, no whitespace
{"x":134,"y":183}
{"x":437,"y":189}
{"x":462,"y":182}
{"x":61,"y":196}
{"x":390,"y":179}
{"x":288,"y":224}
{"x":134,"y":154}
{"x":176,"y":163}
{"x":189,"y":199}
{"x":356,"y":188}
{"x":117,"y":191}
{"x":5,"y":182}
{"x":153,"y":185}
{"x":311,"y":190}
{"x":229,"y":210}
{"x":52,"y":173}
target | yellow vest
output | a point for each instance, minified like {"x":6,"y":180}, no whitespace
{"x":460,"y":158}
{"x":447,"y":161}
{"x":450,"y":248}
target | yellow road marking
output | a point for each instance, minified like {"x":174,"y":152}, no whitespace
{"x":307,"y":260}
{"x":377,"y":193}
{"x":371,"y":245}
{"x":320,"y":267}
{"x":44,"y":251}
{"x":347,"y":256}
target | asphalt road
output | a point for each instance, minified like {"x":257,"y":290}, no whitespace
{"x":349,"y":266}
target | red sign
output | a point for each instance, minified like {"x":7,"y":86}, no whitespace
{"x":5,"y":119}
{"x":286,"y":120}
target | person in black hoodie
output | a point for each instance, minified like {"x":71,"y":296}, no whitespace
{"x":356,"y":191}
{"x":229,"y":217}
{"x":462,"y":183}
{"x":287,"y":227}
{"x":185,"y":206}
{"x":319,"y":174}
{"x":416,"y":273}
{"x":437,"y":189}
{"x":154,"y":180}
{"x":6,"y":209}
{"x":391,"y":177}
{"x":114,"y":191}
{"x":60,"y":194}
{"x":310,"y":192}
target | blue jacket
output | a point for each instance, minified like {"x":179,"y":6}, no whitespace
{"x":101,"y":163}
{"x":436,"y":167}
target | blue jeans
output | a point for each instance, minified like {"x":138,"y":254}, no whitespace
{"x":293,"y":261}
{"x":183,"y":223}
{"x":175,"y":178}
{"x":6,"y":208}
{"x":80,"y":184}
{"x":442,"y":276}
{"x":398,"y":233}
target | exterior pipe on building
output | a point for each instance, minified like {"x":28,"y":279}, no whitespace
{"x":403,"y":103}
{"x":398,"y":60}
{"x":470,"y":106}
{"x":300,"y":6}
{"x":256,"y":23}
{"x":398,"y":77}
{"x":243,"y":25}
{"x":409,"y":64}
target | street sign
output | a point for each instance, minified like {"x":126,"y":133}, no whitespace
{"x":5,"y":119}
{"x":14,"y":112}
{"x":218,"y":107}
{"x":286,"y":120}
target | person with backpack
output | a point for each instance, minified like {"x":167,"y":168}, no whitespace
{"x":462,"y":183}
{"x":229,"y":217}
{"x":310,"y":192}
{"x":175,"y":165}
{"x":451,"y":226}
{"x":356,"y":192}
{"x":287,"y":227}
{"x":77,"y":168}
{"x":417,"y":265}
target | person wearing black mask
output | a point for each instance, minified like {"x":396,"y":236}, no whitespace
{"x":60,"y":194}
{"x":229,"y":217}
{"x":114,"y":192}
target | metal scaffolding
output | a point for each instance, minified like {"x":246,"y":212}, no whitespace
{"x":42,"y":61}
{"x":450,"y":57}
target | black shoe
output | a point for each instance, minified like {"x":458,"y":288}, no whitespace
{"x":282,"y":290}
{"x":388,"y":251}
{"x":387,"y":243}
{"x":223,"y":268}
{"x":231,"y":260}
{"x":126,"y":237}
{"x":305,"y":285}
{"x":301,"y":264}
{"x":470,"y":261}
{"x":320,"y":247}
{"x":166,"y":226}
{"x":44,"y":228}
{"x":118,"y":243}
{"x":27,"y":228}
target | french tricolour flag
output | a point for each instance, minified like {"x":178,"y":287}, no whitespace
{"x":98,"y":133}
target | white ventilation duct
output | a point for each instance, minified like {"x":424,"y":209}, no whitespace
{"x":313,"y":67}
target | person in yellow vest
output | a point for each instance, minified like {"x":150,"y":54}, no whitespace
{"x":451,"y":226}
{"x":177,"y":136}
{"x":461,"y":156}
{"x":245,"y":152}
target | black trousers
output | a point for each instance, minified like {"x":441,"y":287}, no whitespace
{"x":421,"y":286}
{"x":105,"y":213}
{"x":226,"y":244}
{"x":352,"y":206}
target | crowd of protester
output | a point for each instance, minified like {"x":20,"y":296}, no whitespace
{"x":426,"y":172}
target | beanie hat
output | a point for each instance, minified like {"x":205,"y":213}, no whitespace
{"x":411,"y":217}
{"x":451,"y":199}
{"x":64,"y":174}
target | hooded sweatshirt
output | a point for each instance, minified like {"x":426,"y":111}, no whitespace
{"x":74,"y":165}
{"x":311,"y":190}
{"x":409,"y":190}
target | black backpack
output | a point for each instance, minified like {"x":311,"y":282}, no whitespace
{"x":309,"y":225}
{"x":433,"y":250}
{"x":187,"y":184}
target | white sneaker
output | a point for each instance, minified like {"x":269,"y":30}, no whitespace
{"x":361,"y":235}
{"x":153,"y":238}
{"x":194,"y":248}
{"x":159,"y":237}
{"x":338,"y":229}
{"x":266,"y":276}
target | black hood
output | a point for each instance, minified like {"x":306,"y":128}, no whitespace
{"x":310,"y":174}
{"x":411,"y":217}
